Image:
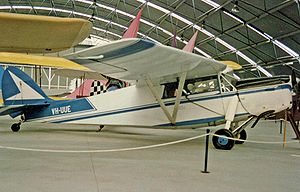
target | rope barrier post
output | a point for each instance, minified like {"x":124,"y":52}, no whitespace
{"x":284,"y":129}
{"x":206,"y":151}
{"x":280,"y":130}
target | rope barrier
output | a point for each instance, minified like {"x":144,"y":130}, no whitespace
{"x":295,"y":155}
{"x":103,"y":150}
{"x":136,"y":148}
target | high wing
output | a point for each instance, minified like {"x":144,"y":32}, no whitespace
{"x":137,"y":59}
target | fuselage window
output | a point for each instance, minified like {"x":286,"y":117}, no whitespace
{"x":192,"y":86}
{"x":200,"y":86}
{"x":170,"y":90}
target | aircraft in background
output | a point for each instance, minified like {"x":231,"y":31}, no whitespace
{"x":27,"y":33}
{"x":89,"y":87}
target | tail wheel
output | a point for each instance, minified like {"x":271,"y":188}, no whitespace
{"x":15,"y":127}
{"x":223,"y":142}
{"x":242,"y":135}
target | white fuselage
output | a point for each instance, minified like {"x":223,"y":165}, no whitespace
{"x":136,"y":106}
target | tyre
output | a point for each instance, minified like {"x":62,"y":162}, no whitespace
{"x":223,"y":142}
{"x":15,"y":127}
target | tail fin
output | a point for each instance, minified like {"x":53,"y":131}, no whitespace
{"x":134,"y":26}
{"x":189,"y":47}
{"x":88,"y":88}
{"x":18,"y":88}
{"x":82,"y":91}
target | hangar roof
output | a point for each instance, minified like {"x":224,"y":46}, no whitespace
{"x":261,"y":35}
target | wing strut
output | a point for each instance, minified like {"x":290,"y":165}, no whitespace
{"x":179,"y":94}
{"x":158,"y":99}
{"x":172,"y":118}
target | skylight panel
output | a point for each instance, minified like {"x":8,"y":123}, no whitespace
{"x":254,"y":64}
{"x":211,"y":3}
{"x":266,"y":36}
{"x":286,"y":49}
{"x":202,"y":52}
{"x":233,"y":17}
{"x":264,"y":71}
{"x":225,"y":44}
{"x":108,"y":32}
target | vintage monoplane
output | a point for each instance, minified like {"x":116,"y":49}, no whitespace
{"x":170,"y":88}
{"x":173,"y":89}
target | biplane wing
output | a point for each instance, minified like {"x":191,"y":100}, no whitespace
{"x":136,"y":59}
{"x":47,"y":61}
{"x":63,"y":66}
{"x":40,"y":34}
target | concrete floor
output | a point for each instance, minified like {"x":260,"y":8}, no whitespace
{"x":247,"y":167}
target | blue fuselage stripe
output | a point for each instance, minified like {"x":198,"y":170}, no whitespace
{"x":200,"y":121}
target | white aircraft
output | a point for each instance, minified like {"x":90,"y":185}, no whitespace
{"x":173,"y":89}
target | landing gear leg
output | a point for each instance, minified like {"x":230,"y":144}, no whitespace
{"x":240,"y":132}
{"x":100,"y":128}
{"x":17,"y":126}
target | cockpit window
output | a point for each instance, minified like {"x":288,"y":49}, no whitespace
{"x":170,"y":90}
{"x":192,"y":86}
{"x":201,"y":86}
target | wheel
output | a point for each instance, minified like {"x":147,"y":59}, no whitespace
{"x":223,"y":142}
{"x":15,"y":127}
{"x":242,"y":135}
